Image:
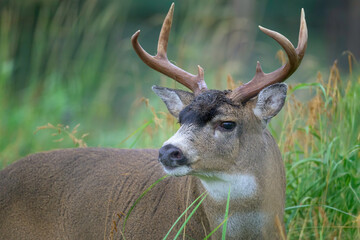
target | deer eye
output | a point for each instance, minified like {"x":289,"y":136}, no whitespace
{"x":227,"y":126}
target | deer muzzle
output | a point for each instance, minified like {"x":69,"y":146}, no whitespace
{"x":172,"y":157}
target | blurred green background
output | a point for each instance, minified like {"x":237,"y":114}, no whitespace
{"x":71,"y":62}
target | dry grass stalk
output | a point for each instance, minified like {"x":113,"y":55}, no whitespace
{"x":316,"y":224}
{"x":323,"y":217}
{"x":230,"y":82}
{"x":61,"y":129}
{"x":294,"y":114}
{"x":303,"y":228}
{"x":156,"y":119}
{"x":281,"y":56}
{"x":280,"y":228}
{"x":302,"y":119}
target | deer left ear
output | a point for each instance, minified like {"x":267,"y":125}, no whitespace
{"x":270,"y":101}
{"x":175,"y":99}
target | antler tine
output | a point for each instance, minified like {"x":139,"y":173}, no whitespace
{"x":161,"y":63}
{"x":261,"y":79}
{"x":165,"y":33}
{"x":303,"y":35}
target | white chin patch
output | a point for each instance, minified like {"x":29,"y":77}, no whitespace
{"x":242,"y":186}
{"x":178,"y":171}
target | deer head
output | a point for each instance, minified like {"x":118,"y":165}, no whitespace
{"x":220,"y":130}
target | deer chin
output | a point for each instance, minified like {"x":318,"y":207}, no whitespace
{"x":177,"y":171}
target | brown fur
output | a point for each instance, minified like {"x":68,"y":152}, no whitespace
{"x":85,"y":193}
{"x":80,"y":193}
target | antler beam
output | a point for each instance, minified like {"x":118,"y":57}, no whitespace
{"x":261,"y":79}
{"x":161,"y":63}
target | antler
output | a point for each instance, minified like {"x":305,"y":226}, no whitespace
{"x":261,"y":79}
{"x":161,"y":63}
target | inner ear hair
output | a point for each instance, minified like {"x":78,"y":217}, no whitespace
{"x":174,"y":99}
{"x":186,"y":97}
{"x":270,"y":101}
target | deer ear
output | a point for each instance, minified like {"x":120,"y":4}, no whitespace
{"x":270,"y":101}
{"x":175,"y":100}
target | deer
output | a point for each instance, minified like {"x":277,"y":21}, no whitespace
{"x":222,"y":150}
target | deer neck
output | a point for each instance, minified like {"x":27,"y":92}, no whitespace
{"x":245,"y":215}
{"x":239,"y":186}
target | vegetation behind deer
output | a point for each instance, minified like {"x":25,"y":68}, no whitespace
{"x":317,"y":131}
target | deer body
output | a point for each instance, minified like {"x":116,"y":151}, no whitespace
{"x":78,"y":194}
{"x":222,"y":145}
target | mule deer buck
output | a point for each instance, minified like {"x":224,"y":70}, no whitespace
{"x":222,"y":144}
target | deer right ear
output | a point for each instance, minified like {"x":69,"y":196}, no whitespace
{"x":175,"y":99}
{"x":270,"y":101}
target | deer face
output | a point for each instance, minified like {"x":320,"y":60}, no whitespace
{"x":216,"y":134}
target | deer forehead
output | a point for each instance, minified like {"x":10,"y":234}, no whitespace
{"x":206,"y":107}
{"x":198,"y":117}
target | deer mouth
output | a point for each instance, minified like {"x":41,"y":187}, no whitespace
{"x":177,"y":171}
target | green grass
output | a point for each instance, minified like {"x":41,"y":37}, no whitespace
{"x":70,"y":63}
{"x":322,"y":156}
{"x":139,"y":198}
{"x":202,"y":196}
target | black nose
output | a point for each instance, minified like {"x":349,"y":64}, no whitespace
{"x":171,"y":156}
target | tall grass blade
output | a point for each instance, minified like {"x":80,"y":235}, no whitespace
{"x":139,"y":198}
{"x":189,"y":217}
{"x":308,"y":85}
{"x":140,"y":129}
{"x":178,"y":219}
{"x":215,"y":229}
{"x":226,"y":216}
